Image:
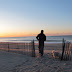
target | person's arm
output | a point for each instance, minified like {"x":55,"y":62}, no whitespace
{"x":37,"y":37}
{"x":45,"y":38}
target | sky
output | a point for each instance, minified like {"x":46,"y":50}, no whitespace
{"x":20,"y":18}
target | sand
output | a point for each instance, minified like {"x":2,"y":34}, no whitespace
{"x":14,"y":62}
{"x":8,"y":61}
{"x":26,"y":48}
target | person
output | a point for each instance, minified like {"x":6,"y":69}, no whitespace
{"x":41,"y":38}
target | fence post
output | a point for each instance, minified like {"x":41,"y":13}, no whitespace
{"x":24,"y":49}
{"x":8,"y":47}
{"x":70,"y":51}
{"x":33,"y":49}
{"x":63,"y":47}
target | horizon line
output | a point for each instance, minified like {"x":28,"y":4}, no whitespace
{"x":34,"y":36}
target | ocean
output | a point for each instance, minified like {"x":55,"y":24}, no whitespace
{"x":25,"y":39}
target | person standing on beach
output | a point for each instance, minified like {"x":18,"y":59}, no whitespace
{"x":41,"y":38}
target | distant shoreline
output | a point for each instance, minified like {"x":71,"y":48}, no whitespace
{"x":11,"y":39}
{"x":35,"y":36}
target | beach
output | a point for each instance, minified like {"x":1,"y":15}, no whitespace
{"x":13,"y":62}
{"x":18,"y":61}
{"x":45,"y":64}
{"x":35,"y":35}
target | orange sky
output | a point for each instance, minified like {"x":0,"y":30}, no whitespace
{"x":17,"y":34}
{"x":20,"y":18}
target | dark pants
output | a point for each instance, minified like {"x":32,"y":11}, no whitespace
{"x":41,"y":49}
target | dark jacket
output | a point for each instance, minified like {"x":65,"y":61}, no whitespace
{"x":41,"y":38}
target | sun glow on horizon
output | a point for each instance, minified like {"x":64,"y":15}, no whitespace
{"x":31,"y":34}
{"x":20,"y":18}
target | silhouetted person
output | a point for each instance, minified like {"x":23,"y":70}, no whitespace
{"x":41,"y":38}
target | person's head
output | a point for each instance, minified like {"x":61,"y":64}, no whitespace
{"x":42,"y":31}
